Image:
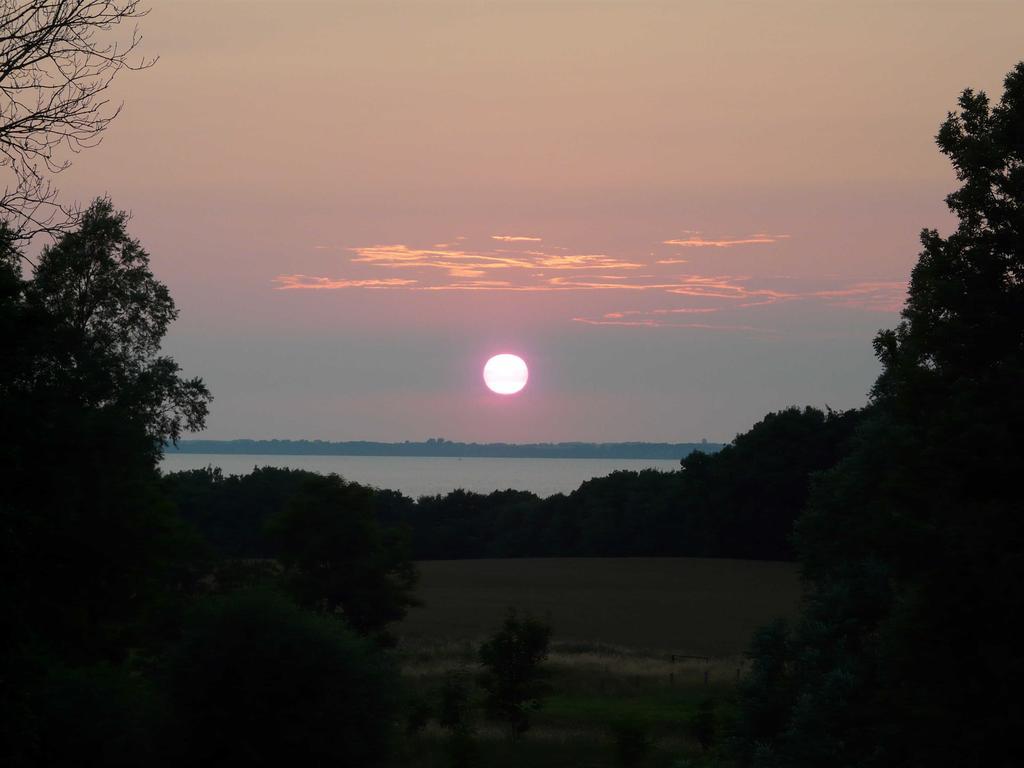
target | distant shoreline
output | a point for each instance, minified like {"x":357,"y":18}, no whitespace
{"x":448,"y":448}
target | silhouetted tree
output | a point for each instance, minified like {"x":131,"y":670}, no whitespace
{"x":455,"y":715}
{"x":744,"y":500}
{"x":513,"y":678}
{"x":92,"y":555}
{"x":232,"y":511}
{"x":338,"y":559}
{"x":86,"y":404}
{"x":913,"y":546}
{"x":57,"y":60}
{"x":767,"y":695}
{"x":704,"y":724}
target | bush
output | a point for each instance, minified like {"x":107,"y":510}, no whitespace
{"x":455,"y":710}
{"x":513,"y":680}
{"x":455,"y":715}
{"x":100,"y":715}
{"x":258,"y":681}
{"x":704,"y":724}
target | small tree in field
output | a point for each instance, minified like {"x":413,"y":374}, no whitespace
{"x":704,"y":724}
{"x":513,"y":679}
{"x":455,"y":715}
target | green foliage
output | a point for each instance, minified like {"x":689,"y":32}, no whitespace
{"x":455,"y":708}
{"x":513,"y":680}
{"x":257,"y":681}
{"x":338,"y":559}
{"x":455,"y":715}
{"x":913,"y":545}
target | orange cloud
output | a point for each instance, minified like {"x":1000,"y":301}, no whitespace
{"x":653,"y":323}
{"x":727,"y":287}
{"x":678,"y":311}
{"x":729,"y":293}
{"x":695,"y":240}
{"x":887,"y":296}
{"x":579,"y":261}
{"x":309,"y":282}
{"x":466,"y":263}
{"x":458,"y":266}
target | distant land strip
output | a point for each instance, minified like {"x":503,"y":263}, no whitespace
{"x":441,"y":447}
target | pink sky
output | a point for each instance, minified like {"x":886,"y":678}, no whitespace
{"x":681,"y":215}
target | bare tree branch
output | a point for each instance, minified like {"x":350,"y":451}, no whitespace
{"x":57,"y":60}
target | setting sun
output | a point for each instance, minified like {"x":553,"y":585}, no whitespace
{"x":506,"y":374}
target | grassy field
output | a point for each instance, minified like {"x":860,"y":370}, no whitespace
{"x":617,"y":623}
{"x":679,"y":605}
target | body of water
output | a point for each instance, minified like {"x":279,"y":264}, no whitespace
{"x":424,"y":476}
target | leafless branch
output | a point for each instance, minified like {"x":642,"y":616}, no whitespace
{"x":58,"y":58}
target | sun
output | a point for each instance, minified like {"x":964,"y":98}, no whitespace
{"x":506,"y":374}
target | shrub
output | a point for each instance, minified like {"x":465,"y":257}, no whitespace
{"x":99,"y":715}
{"x":258,"y":681}
{"x":513,"y":679}
{"x":704,"y":724}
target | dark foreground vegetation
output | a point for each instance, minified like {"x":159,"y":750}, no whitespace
{"x":201,"y":620}
{"x":912,"y":546}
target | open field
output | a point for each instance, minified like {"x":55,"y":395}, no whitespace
{"x":617,"y":623}
{"x":595,"y":692}
{"x":678,"y":605}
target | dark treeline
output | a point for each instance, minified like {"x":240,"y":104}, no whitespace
{"x":740,"y":502}
{"x":441,"y":447}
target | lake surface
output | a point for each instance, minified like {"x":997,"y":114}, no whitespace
{"x":424,"y":476}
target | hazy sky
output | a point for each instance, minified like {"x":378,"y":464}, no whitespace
{"x":681,"y":214}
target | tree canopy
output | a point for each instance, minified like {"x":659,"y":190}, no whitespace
{"x":338,"y":559}
{"x":913,"y":545}
{"x":91,"y":551}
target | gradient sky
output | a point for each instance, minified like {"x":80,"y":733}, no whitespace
{"x":681,"y":214}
